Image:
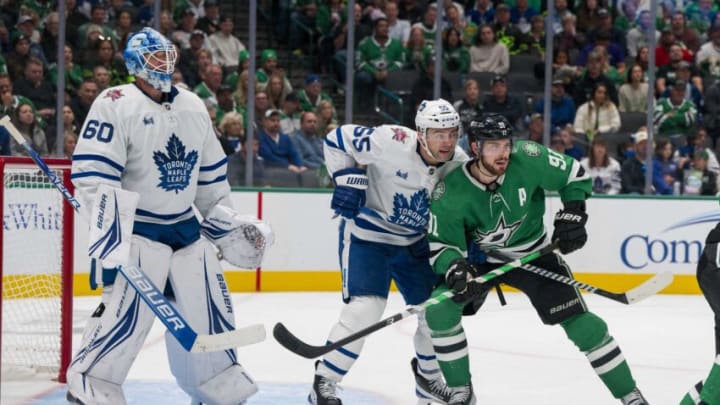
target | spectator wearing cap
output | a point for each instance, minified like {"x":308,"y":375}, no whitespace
{"x":503,"y":103}
{"x":188,"y":60}
{"x":632,"y":171}
{"x":312,"y":95}
{"x":602,"y":168}
{"x":196,"y":6}
{"x":225,"y":46}
{"x":692,"y":93}
{"x":456,"y":57}
{"x":18,"y":57}
{"x":504,"y":31}
{"x":210,"y":22}
{"x":562,"y":106}
{"x":675,"y":115}
{"x":26,"y":25}
{"x":276,"y":148}
{"x":290,"y":114}
{"x":308,"y":142}
{"x":422,"y":88}
{"x":376,"y":56}
{"x":482,"y":12}
{"x":97,"y":23}
{"x":269,"y":67}
{"x":639,"y":35}
{"x":671,"y":71}
{"x":487,"y":54}
{"x":397,"y":28}
{"x":186,"y":26}
{"x":428,"y":25}
{"x":605,"y":24}
{"x":633,"y":93}
{"x":211,"y":78}
{"x":598,"y":115}
{"x":521,"y":14}
{"x":708,"y":57}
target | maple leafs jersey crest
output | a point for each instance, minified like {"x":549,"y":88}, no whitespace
{"x":175,"y":166}
{"x":412,"y":213}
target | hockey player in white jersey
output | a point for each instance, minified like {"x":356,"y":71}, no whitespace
{"x":383,"y":177}
{"x":157,"y":140}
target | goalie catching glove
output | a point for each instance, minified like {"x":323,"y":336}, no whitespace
{"x":570,"y":227}
{"x":459,"y":278}
{"x":241,"y":239}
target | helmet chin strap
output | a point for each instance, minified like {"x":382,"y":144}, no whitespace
{"x":424,"y":145}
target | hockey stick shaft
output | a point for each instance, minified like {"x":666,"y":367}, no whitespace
{"x":146,"y":289}
{"x":297,"y":346}
{"x":644,"y":290}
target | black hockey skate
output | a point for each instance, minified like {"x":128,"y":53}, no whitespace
{"x":462,"y":395}
{"x":635,"y":397}
{"x":435,"y":391}
{"x":323,"y":391}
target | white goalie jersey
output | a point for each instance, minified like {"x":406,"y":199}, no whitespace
{"x":400,"y":182}
{"x":167,"y":152}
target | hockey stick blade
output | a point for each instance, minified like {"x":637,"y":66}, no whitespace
{"x":297,"y":346}
{"x":650,"y":287}
{"x":247,"y":335}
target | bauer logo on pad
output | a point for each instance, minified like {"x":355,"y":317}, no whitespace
{"x":112,"y":216}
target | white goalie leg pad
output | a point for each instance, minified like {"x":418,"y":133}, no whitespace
{"x":117,"y":329}
{"x":358,"y":314}
{"x":93,"y":391}
{"x":241,"y":239}
{"x":203,"y":299}
{"x":230,"y":387}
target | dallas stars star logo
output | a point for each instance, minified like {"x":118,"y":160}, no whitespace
{"x":498,"y":236}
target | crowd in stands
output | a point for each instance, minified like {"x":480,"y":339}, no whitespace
{"x":492,"y":60}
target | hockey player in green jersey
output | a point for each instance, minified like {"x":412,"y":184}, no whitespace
{"x":496,"y":202}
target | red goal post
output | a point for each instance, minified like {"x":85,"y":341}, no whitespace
{"x":36,"y":292}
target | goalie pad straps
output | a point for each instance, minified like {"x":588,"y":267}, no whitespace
{"x":241,"y":239}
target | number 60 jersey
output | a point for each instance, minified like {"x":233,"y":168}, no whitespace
{"x":400,"y":182}
{"x":168,"y":152}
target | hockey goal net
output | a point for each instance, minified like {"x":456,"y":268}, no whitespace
{"x":36,"y":247}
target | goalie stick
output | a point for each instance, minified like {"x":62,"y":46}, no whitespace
{"x":297,"y":346}
{"x":644,"y":290}
{"x":148,"y":291}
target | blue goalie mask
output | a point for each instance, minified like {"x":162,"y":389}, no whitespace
{"x":151,"y":57}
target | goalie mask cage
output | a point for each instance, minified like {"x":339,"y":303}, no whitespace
{"x":36,"y":247}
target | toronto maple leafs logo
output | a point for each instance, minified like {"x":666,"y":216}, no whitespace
{"x":399,"y":135}
{"x":412,"y":213}
{"x":114,"y":94}
{"x":175,"y":166}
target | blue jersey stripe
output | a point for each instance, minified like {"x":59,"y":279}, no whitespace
{"x":94,"y":174}
{"x":211,"y":167}
{"x":161,"y":216}
{"x":99,"y":158}
{"x":215,"y":180}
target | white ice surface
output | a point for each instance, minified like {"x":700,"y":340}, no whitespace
{"x":668,"y":341}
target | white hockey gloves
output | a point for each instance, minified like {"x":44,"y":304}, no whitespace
{"x":242,"y":239}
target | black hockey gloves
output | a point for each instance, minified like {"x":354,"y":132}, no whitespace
{"x":458,"y":277}
{"x":349,"y":194}
{"x":570,"y":227}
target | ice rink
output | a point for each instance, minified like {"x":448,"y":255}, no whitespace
{"x":668,"y":341}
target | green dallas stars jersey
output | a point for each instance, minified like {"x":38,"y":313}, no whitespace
{"x":510,"y":219}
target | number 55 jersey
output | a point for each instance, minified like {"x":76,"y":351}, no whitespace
{"x":397,"y":207}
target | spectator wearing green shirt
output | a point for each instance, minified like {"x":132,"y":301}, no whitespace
{"x":312,"y":95}
{"x":376,"y":56}
{"x":675,"y":115}
{"x":455,"y":55}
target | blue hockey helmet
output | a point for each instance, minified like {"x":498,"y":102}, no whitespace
{"x":151,"y":57}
